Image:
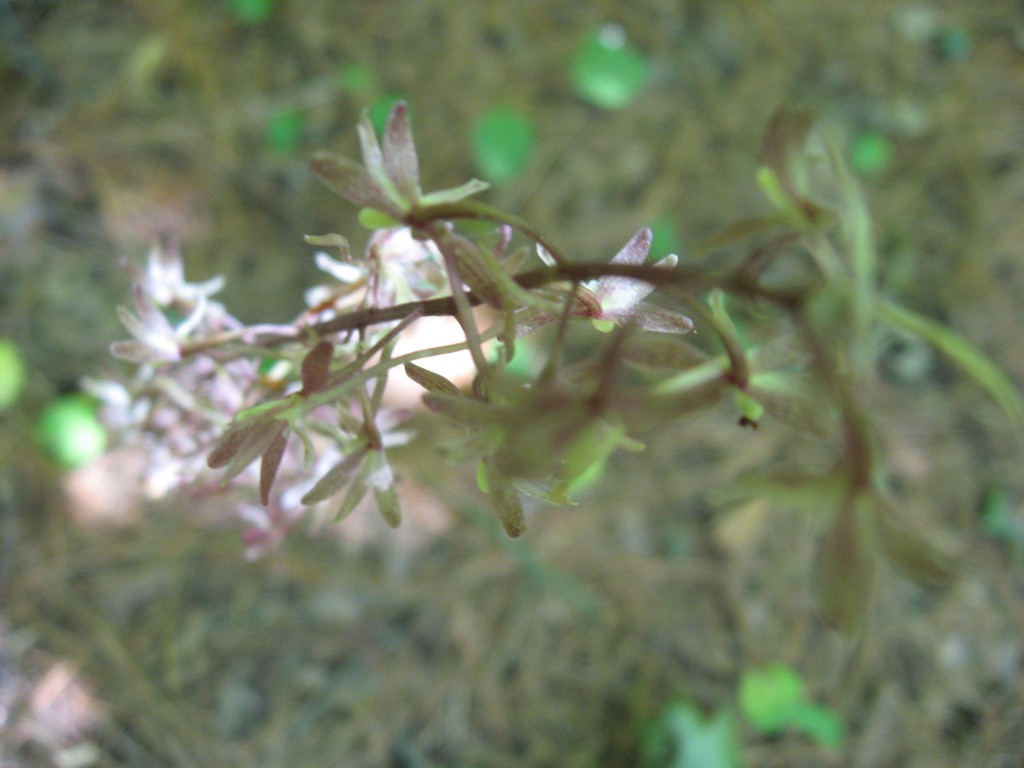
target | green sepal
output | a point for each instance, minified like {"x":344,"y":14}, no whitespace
{"x":371,"y":218}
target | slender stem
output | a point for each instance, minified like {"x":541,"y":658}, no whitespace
{"x":678,"y":279}
{"x":554,"y":360}
{"x":356,"y":379}
{"x":739,"y":366}
{"x":443,"y":238}
{"x":472,"y":209}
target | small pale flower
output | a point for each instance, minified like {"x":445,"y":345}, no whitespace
{"x":396,"y":268}
{"x":155,"y":340}
{"x":164,"y":278}
{"x":621,"y":298}
{"x":161,"y":292}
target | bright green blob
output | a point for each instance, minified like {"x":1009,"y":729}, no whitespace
{"x":252,"y":11}
{"x":524,"y":363}
{"x":774,"y":698}
{"x":750,"y":407}
{"x":355,"y":78}
{"x":503,"y":142}
{"x":284,"y":131}
{"x":13,"y":374}
{"x":69,"y":430}
{"x":870,"y":153}
{"x":371,"y":218}
{"x":666,"y":238}
{"x":606,"y":71}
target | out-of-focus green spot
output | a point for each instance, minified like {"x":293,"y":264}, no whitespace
{"x":1000,"y":520}
{"x":523,"y":364}
{"x":586,"y":479}
{"x":355,"y":78}
{"x":70,"y":432}
{"x":749,"y":406}
{"x":606,"y":71}
{"x":144,"y":63}
{"x":767,"y":695}
{"x":274,"y":371}
{"x":503,"y":141}
{"x":774,"y":699}
{"x":870,"y":153}
{"x":252,"y":11}
{"x":381,"y":108}
{"x":954,"y":44}
{"x":683,"y":738}
{"x":12,"y":373}
{"x":284,"y":131}
{"x":371,"y":218}
{"x":482,"y":480}
{"x":666,"y":238}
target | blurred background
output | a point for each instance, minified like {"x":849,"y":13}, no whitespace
{"x":648,"y":626}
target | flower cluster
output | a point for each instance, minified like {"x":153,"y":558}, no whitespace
{"x":295,"y":414}
{"x":175,"y":404}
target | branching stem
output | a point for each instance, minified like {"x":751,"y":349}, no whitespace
{"x":688,"y":280}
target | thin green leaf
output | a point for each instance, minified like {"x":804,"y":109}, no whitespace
{"x":790,"y":491}
{"x":846,"y":568}
{"x":331,"y":240}
{"x":455,"y":194}
{"x":382,"y":481}
{"x":464,"y":410}
{"x":257,"y":440}
{"x":356,"y":492}
{"x":968,"y":357}
{"x":351,"y":181}
{"x":910,"y":550}
{"x":270,"y":464}
{"x":504,"y":498}
{"x":430,"y":381}
{"x":336,"y":478}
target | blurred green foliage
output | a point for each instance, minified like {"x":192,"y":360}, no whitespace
{"x":667,"y":238}
{"x":606,"y":71}
{"x":284,"y":131}
{"x":503,"y":143}
{"x":70,"y":431}
{"x":684,"y":738}
{"x":252,"y":11}
{"x":774,"y":699}
{"x":356,"y":78}
{"x":1001,"y":519}
{"x":870,"y":153}
{"x":954,"y":44}
{"x":12,"y":373}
